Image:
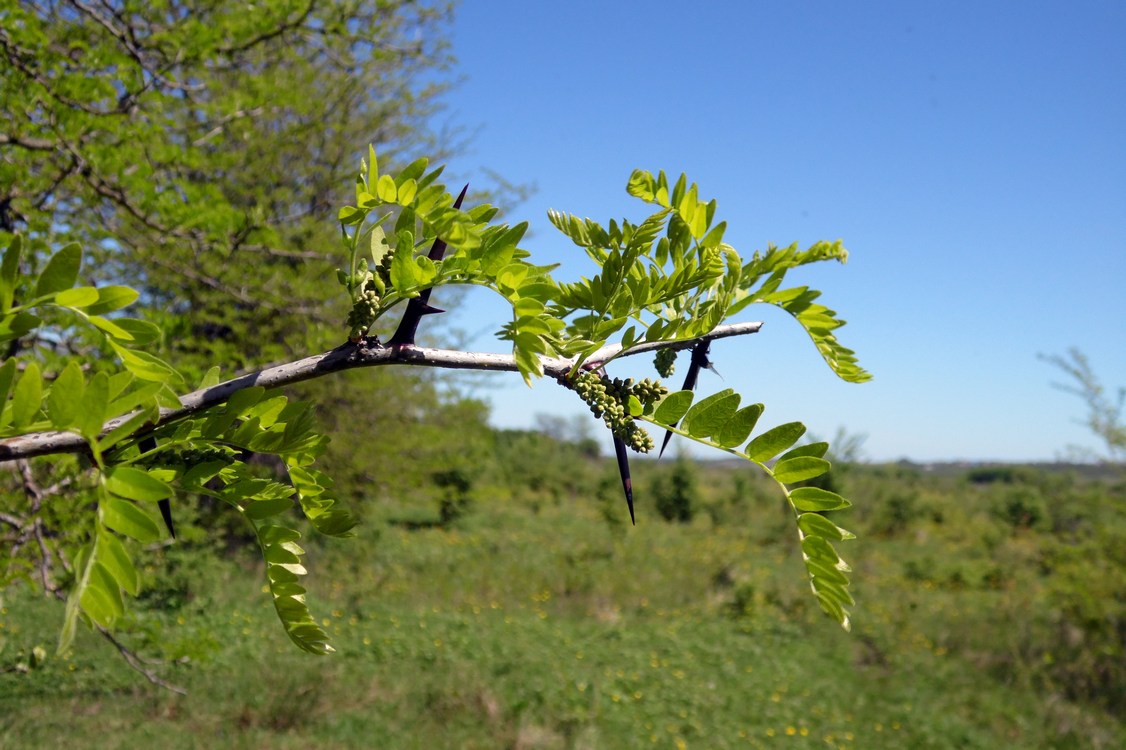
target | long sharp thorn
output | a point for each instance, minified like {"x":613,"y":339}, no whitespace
{"x":420,"y":305}
{"x":165,"y":505}
{"x":623,"y":469}
{"x":166,"y":513}
{"x":699,"y":360}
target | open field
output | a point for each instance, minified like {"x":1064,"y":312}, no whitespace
{"x":989,"y":614}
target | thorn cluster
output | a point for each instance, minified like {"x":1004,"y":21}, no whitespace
{"x":608,"y":400}
{"x":665,"y":362}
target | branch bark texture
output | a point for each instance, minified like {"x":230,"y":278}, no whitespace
{"x":348,"y":356}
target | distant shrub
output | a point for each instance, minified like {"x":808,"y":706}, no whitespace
{"x":676,"y":492}
{"x":455,"y":500}
{"x":992,"y":475}
{"x":1022,"y":507}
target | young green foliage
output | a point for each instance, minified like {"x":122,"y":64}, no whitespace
{"x":666,"y":280}
{"x":661,"y":283}
{"x":138,"y":467}
{"x":718,"y":422}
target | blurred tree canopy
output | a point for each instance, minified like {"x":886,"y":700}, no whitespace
{"x":199,"y":148}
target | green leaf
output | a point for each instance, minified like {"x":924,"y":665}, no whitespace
{"x":83,"y":564}
{"x":826,"y":573}
{"x":373,"y":166}
{"x":9,"y":273}
{"x":740,"y":426}
{"x":93,"y":414}
{"x":260,"y":509}
{"x":141,"y":332}
{"x":127,"y":402}
{"x":817,"y":499}
{"x":7,"y":375}
{"x":18,"y":325}
{"x":774,"y":441}
{"x":126,"y":518}
{"x":119,"y":433}
{"x":350,"y":215}
{"x":818,"y":548}
{"x":80,"y":296}
{"x":101,"y":599}
{"x":27,"y":397}
{"x":405,"y":275}
{"x":111,"y":328}
{"x":210,"y":378}
{"x":815,"y":524}
{"x":672,"y":407}
{"x":111,"y":298}
{"x":289,"y":596}
{"x":816,"y":450}
{"x":709,"y":415}
{"x":65,"y":398}
{"x":385,"y":188}
{"x":407,"y":192}
{"x":145,"y":366}
{"x":60,"y":272}
{"x":135,"y":484}
{"x":113,"y":556}
{"x":196,"y":475}
{"x":799,"y":469}
{"x":243,"y":400}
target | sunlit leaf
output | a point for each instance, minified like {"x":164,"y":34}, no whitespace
{"x":817,"y":499}
{"x":126,"y":518}
{"x":65,"y":399}
{"x":816,"y":524}
{"x":60,"y":272}
{"x":799,"y":469}
{"x":26,"y":396}
{"x":672,"y":407}
{"x":774,"y":441}
{"x":135,"y":484}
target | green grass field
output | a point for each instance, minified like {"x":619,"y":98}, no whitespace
{"x":543,"y":620}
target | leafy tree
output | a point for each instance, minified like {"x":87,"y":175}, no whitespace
{"x":133,"y":438}
{"x":196,"y":150}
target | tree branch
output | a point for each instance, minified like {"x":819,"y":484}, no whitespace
{"x":348,"y":356}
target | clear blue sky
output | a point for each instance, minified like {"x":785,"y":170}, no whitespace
{"x":972,"y":156}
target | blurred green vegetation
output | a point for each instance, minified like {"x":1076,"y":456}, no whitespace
{"x":990,"y":613}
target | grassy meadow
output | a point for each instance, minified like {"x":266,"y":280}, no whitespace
{"x":990,"y":613}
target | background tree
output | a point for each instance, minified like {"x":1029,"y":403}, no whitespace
{"x":197,"y":150}
{"x":1104,"y":412}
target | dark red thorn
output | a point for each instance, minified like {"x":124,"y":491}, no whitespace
{"x":146,"y":445}
{"x":420,"y":305}
{"x":699,"y":361}
{"x":623,"y":470}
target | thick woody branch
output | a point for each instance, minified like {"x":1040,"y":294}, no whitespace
{"x":348,"y":356}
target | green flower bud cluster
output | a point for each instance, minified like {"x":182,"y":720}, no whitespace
{"x":370,"y":287}
{"x":204,"y":453}
{"x":363,"y":312}
{"x":608,"y":400}
{"x":665,"y":362}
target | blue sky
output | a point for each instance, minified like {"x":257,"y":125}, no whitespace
{"x":972,"y":156}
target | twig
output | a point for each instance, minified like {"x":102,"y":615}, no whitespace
{"x":348,"y":356}
{"x":137,"y":663}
